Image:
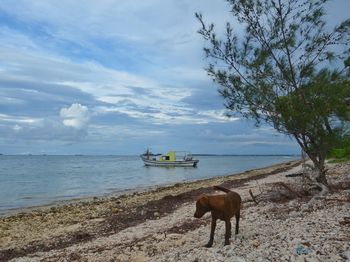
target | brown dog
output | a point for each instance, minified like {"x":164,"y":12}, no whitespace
{"x":222,"y":207}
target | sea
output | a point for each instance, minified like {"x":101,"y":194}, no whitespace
{"x":35,"y":180}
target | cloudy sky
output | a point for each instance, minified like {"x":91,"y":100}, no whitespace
{"x":116,"y":77}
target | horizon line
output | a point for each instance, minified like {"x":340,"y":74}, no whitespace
{"x":194,"y":154}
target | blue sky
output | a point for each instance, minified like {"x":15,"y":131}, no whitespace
{"x":116,"y":77}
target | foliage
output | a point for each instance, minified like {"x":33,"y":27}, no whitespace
{"x":279,"y":73}
{"x":341,"y":152}
{"x":338,"y":152}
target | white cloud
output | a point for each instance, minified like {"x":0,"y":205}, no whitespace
{"x":168,"y":114}
{"x":76,"y":116}
{"x":17,"y":128}
{"x":217,"y":116}
{"x":19,"y":119}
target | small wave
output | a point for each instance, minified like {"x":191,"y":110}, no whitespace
{"x":26,"y":198}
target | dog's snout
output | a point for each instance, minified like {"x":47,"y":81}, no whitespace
{"x":198,"y":214}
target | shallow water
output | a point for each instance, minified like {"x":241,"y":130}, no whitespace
{"x":27,"y":181}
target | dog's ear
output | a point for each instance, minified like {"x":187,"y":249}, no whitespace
{"x":202,"y":206}
{"x":204,"y":201}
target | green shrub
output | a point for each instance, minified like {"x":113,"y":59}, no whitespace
{"x":338,"y":153}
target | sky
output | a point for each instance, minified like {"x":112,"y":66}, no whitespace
{"x":118,"y":77}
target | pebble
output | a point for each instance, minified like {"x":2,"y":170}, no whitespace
{"x":346,"y":255}
{"x":256,"y":243}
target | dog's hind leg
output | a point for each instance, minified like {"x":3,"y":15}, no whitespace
{"x":228,"y":232}
{"x":211,"y":239}
{"x":238,"y":214}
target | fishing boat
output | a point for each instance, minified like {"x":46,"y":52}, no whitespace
{"x":170,"y":159}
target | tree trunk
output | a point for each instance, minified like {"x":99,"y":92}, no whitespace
{"x":321,"y":178}
{"x":320,"y":165}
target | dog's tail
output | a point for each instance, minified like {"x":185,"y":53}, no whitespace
{"x":222,"y":189}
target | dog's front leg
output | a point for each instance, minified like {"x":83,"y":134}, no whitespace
{"x":227,"y":232}
{"x":211,"y":239}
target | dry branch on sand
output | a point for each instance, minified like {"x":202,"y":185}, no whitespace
{"x":275,"y":191}
{"x":302,"y":184}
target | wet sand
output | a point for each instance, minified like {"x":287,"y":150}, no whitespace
{"x":122,"y":228}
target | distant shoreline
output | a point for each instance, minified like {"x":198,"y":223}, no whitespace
{"x":245,"y":155}
{"x":121,"y":155}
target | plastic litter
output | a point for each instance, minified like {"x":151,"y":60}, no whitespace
{"x":302,"y":250}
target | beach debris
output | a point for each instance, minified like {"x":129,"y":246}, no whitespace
{"x":256,"y":243}
{"x":291,"y":193}
{"x":346,"y":221}
{"x":115,"y":210}
{"x":295,"y":174}
{"x":346,"y":255}
{"x":302,"y":250}
{"x":275,"y":191}
{"x":256,"y":198}
{"x":253,"y":197}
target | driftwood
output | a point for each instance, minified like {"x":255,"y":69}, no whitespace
{"x":274,"y":191}
{"x":258,"y":196}
{"x":253,"y":197}
{"x":295,"y":174}
{"x":278,"y":185}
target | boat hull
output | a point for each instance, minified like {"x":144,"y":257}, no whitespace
{"x":184,"y":163}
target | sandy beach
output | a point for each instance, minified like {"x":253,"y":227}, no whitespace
{"x":158,"y":225}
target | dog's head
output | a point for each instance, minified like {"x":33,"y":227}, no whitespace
{"x":202,"y":206}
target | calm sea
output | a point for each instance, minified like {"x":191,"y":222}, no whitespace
{"x":27,"y":181}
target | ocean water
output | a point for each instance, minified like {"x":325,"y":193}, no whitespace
{"x":28,"y":181}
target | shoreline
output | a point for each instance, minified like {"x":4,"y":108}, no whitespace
{"x":128,"y":192}
{"x":61,"y":226}
{"x":158,"y":225}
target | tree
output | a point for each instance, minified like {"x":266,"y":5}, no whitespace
{"x":285,"y":71}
